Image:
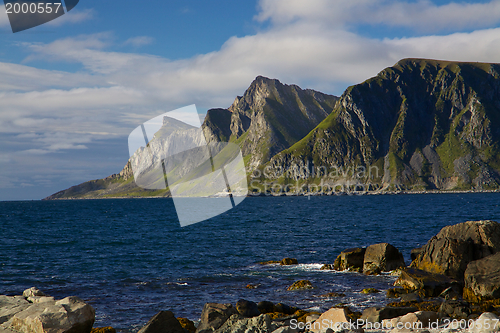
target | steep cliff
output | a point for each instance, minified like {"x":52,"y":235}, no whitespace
{"x":419,"y":125}
{"x":268,"y":118}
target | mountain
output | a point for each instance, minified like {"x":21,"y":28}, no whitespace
{"x":419,"y":125}
{"x":268,"y":118}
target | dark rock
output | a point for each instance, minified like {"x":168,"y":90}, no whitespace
{"x":455,"y":309}
{"x":283,"y":308}
{"x":383,"y":257}
{"x":377,"y":314}
{"x":350,"y":259}
{"x":247,"y":308}
{"x":416,"y":279}
{"x":162,"y":322}
{"x":415,"y":252}
{"x":213,"y":316}
{"x":289,"y":261}
{"x":482,"y":277}
{"x":454,"y":247}
{"x":326,"y":267}
{"x":265,"y":306}
{"x":411,"y":297}
{"x":452,"y":293}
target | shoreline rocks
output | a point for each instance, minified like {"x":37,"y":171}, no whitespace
{"x":440,"y":284}
{"x":34,"y":312}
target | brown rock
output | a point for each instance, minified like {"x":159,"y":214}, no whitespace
{"x":288,"y":261}
{"x":454,"y":247}
{"x":247,"y":308}
{"x":162,"y":322}
{"x":383,"y":257}
{"x":482,"y":277}
{"x":187,"y":324}
{"x":351,"y":259}
{"x":300,"y":285}
{"x":214,"y":315}
{"x":415,"y":279}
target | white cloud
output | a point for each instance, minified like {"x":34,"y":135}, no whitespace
{"x":422,"y":15}
{"x":139,"y":41}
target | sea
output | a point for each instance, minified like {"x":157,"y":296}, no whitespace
{"x":129,"y":258}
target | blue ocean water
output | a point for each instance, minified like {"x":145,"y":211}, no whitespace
{"x":130,"y":258}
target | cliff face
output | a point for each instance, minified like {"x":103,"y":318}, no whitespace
{"x":421,"y":124}
{"x":268,"y":118}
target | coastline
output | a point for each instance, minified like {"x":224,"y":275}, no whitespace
{"x":294,"y":194}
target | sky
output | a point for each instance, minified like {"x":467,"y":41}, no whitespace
{"x":71,"y":90}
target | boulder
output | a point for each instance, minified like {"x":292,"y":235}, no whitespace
{"x":486,"y":323}
{"x":33,"y":291}
{"x":415,"y":279}
{"x":410,"y":319}
{"x":454,"y":247}
{"x":351,"y":259}
{"x":482,"y":277}
{"x":455,"y":309}
{"x":411,"y":297}
{"x":377,"y":314}
{"x":265,"y":307}
{"x":382,"y":257}
{"x":162,"y":322}
{"x":247,"y":308}
{"x":288,"y":261}
{"x":415,"y":252}
{"x":334,"y":319}
{"x":237,"y":324}
{"x":214,"y":315}
{"x":187,"y":324}
{"x":283,"y":308}
{"x":327,"y":267}
{"x":300,"y":285}
{"x":71,"y":315}
{"x":9,"y":306}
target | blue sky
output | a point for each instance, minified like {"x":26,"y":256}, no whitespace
{"x":73,"y":89}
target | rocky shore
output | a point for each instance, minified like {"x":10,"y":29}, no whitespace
{"x":451,"y":285}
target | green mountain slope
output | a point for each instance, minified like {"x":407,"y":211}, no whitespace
{"x":419,"y":125}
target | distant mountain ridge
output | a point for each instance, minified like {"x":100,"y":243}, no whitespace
{"x":268,"y":118}
{"x":418,"y":125}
